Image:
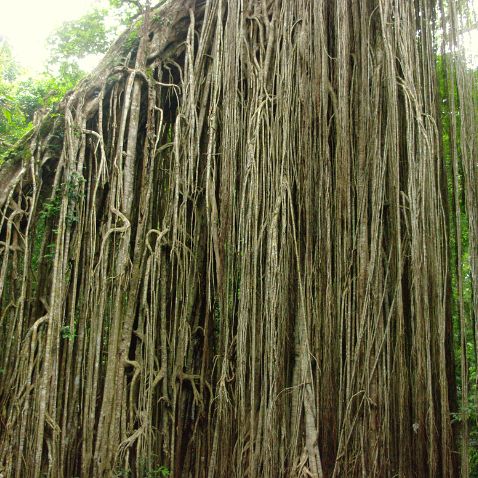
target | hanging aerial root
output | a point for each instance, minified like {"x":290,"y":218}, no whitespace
{"x":231,"y":250}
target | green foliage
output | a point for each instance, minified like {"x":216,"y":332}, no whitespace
{"x":147,"y":469}
{"x":158,"y":472}
{"x":51,"y":208}
{"x":13,"y":123}
{"x":9,"y":69}
{"x":467,"y":412}
{"x":44,"y":91}
{"x":21,"y":96}
{"x":150,"y":469}
{"x":125,"y":11}
{"x":79,"y":38}
{"x":132,"y":40}
{"x":68,"y":332}
{"x":73,"y":41}
{"x":121,"y":473}
{"x":50,"y":211}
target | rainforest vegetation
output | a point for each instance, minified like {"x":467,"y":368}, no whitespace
{"x":245,"y":245}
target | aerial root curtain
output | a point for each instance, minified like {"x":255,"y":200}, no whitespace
{"x":226,"y":253}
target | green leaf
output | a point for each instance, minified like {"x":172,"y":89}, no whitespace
{"x":8,"y":116}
